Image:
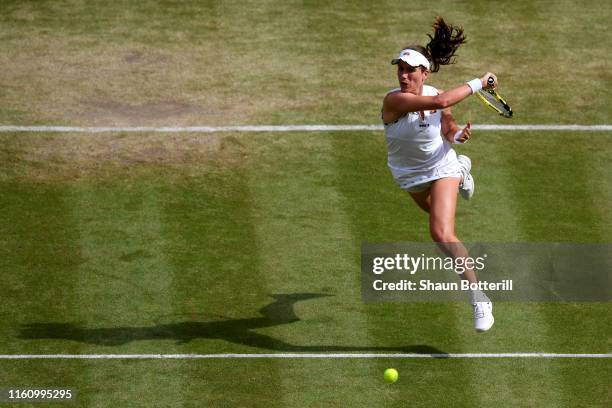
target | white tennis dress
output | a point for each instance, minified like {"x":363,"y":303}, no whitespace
{"x":418,"y":154}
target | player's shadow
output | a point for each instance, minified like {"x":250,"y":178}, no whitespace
{"x":239,"y":331}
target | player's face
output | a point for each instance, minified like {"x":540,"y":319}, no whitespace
{"x":411,"y":79}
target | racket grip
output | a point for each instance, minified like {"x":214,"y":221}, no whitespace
{"x":490,"y":81}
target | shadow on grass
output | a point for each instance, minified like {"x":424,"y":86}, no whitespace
{"x":239,"y":331}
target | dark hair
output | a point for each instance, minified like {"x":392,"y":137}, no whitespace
{"x":443,"y":45}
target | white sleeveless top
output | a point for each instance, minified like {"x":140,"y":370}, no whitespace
{"x":415,"y":144}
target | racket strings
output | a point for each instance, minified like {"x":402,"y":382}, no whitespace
{"x":495,"y":102}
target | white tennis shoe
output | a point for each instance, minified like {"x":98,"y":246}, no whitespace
{"x":483,"y":316}
{"x":466,"y":188}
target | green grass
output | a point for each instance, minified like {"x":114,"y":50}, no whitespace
{"x":288,"y":62}
{"x":329,"y":383}
{"x":144,"y":257}
{"x":192,"y":243}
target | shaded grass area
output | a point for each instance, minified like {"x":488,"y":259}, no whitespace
{"x":143,"y":260}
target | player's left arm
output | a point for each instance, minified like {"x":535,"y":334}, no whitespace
{"x":451,"y":131}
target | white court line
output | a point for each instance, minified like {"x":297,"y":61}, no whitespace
{"x":287,"y":128}
{"x":290,"y":355}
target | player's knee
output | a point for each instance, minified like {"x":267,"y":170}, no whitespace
{"x":442,"y":233}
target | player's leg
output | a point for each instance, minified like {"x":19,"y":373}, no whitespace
{"x":422,"y":199}
{"x":442,"y":218}
{"x":443,"y":203}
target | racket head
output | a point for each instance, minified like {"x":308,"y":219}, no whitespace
{"x":492,"y":100}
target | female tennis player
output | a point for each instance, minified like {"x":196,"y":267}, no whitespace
{"x":419,"y":129}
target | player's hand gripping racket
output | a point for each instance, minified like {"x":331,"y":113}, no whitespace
{"x":493,"y":100}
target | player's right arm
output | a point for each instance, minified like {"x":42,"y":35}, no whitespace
{"x":398,"y":103}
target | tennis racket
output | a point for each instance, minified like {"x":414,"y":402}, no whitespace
{"x":493,"y":100}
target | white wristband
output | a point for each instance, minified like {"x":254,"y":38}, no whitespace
{"x":475,"y":85}
{"x":457,"y":136}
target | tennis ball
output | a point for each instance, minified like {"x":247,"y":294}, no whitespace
{"x":391,"y":375}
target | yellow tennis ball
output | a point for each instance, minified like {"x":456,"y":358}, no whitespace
{"x":391,"y":375}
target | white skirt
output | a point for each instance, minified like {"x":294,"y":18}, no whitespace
{"x":422,"y":180}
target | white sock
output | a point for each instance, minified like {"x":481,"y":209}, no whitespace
{"x":478,"y":296}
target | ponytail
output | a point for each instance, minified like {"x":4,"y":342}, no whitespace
{"x":442,"y":46}
{"x":444,"y":43}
